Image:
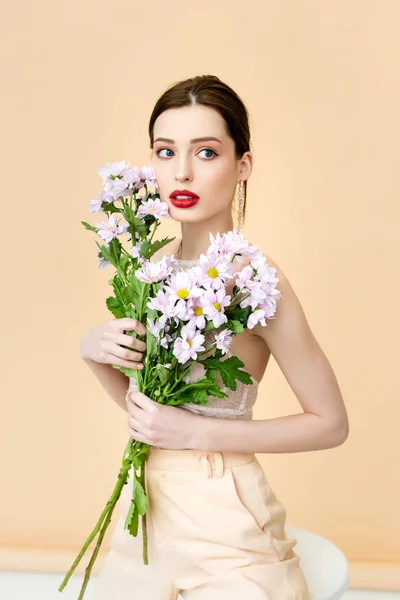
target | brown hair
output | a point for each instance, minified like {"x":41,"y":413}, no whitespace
{"x":209,"y":90}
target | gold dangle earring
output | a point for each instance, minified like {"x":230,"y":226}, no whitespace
{"x":240,"y":207}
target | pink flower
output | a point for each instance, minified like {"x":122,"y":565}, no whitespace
{"x":95,"y":205}
{"x":183,"y":285}
{"x":195,"y":313}
{"x":103,"y":263}
{"x":214,"y":302}
{"x":115,"y":188}
{"x":229,"y":243}
{"x":215,"y":270}
{"x":153,"y":272}
{"x":223,"y":340}
{"x":163,"y":303}
{"x":154,"y":207}
{"x":187,"y":346}
{"x":117,"y":169}
{"x":110,"y":229}
{"x":132,"y":179}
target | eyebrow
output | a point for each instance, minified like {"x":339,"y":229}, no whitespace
{"x":194,"y":141}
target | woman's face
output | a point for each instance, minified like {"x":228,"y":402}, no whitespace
{"x":207,"y":168}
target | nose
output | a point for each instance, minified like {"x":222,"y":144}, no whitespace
{"x":184,"y":170}
{"x":180,"y":177}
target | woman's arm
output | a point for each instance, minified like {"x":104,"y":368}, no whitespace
{"x":113,"y":381}
{"x":323,"y":422}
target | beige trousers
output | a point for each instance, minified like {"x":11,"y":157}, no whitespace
{"x":216,"y":532}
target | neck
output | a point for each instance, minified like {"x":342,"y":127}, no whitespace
{"x":196,"y":236}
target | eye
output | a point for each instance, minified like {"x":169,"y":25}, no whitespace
{"x":209,"y":150}
{"x":168,"y":150}
{"x":161,"y":149}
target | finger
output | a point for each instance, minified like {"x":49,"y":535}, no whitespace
{"x":109,"y":358}
{"x":131,"y":396}
{"x":127,"y":324}
{"x":135,"y":435}
{"x":130,"y":341}
{"x":135,"y":424}
{"x":143,"y":401}
{"x":127,"y":353}
{"x":132,"y":357}
{"x":135,"y":411}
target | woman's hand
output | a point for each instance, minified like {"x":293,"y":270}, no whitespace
{"x":160,"y":425}
{"x":103,"y":343}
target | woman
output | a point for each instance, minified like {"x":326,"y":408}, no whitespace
{"x":216,"y":528}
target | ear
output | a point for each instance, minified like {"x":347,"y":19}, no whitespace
{"x":246,"y":165}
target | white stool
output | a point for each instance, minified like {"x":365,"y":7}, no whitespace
{"x":325,"y":567}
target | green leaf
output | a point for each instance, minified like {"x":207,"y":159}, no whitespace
{"x":239,"y":314}
{"x":163,"y":373}
{"x":110,"y":207}
{"x":115,"y":307}
{"x":115,"y":249}
{"x":88,"y":226}
{"x":235,"y":326}
{"x":129,"y":214}
{"x":128,"y":294}
{"x":141,"y":500}
{"x":118,"y":287}
{"x":132,"y":520}
{"x":147,"y":249}
{"x":126,"y":370}
{"x":230,"y":370}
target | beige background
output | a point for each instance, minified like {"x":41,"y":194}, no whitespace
{"x":321,"y":82}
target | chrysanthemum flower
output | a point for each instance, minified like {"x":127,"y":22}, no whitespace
{"x":214,"y":302}
{"x":215,"y":270}
{"x":188,"y":344}
{"x":223,"y":340}
{"x":156,"y":207}
{"x":153,"y":272}
{"x":110,"y":229}
{"x":183,"y":285}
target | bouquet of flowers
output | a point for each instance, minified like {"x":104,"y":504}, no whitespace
{"x":189,"y":315}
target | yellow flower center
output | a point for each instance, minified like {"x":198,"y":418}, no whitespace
{"x":198,"y":311}
{"x":217,"y":305}
{"x":109,"y":228}
{"x":183,"y":293}
{"x":213,"y":273}
{"x":189,"y":342}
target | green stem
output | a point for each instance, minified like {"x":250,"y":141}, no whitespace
{"x":142,"y":480}
{"x":122,"y":477}
{"x":89,"y":568}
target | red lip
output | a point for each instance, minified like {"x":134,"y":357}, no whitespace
{"x":183,"y":193}
{"x":184,"y":203}
{"x":180,"y":203}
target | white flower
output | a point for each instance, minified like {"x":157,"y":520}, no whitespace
{"x":224,"y":340}
{"x":103,"y":263}
{"x":154,"y":207}
{"x":95,"y":205}
{"x":153,"y":272}
{"x":110,"y":229}
{"x":187,"y":346}
{"x":117,"y":169}
{"x":214,"y":302}
{"x":214,"y":270}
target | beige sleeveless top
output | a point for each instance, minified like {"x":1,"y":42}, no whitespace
{"x":237,"y":404}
